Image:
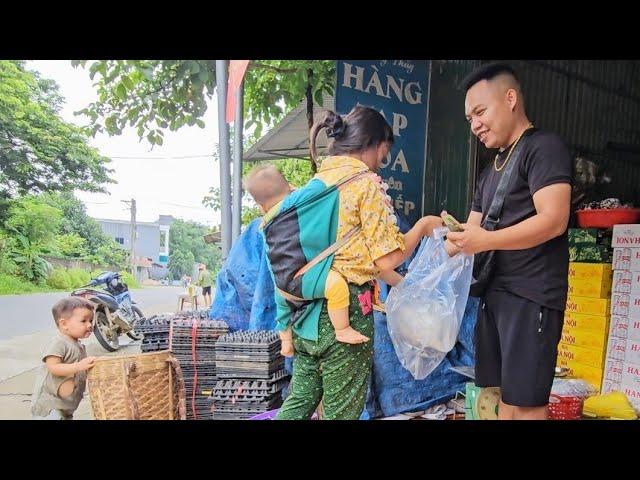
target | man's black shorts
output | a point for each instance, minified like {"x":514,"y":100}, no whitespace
{"x":206,"y":290}
{"x":516,"y":342}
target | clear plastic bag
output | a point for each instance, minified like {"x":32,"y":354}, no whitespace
{"x":424,"y":311}
{"x":572,"y":387}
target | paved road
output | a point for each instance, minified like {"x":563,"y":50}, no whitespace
{"x":31,"y":313}
{"x":26,"y":326}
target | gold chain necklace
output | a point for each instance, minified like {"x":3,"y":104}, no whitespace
{"x":495,"y":160}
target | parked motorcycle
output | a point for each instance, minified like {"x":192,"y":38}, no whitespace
{"x":116,"y":313}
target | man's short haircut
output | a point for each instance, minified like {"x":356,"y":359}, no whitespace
{"x":487,"y":72}
{"x":64,"y":308}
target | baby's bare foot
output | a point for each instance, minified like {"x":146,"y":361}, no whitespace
{"x":349,"y":335}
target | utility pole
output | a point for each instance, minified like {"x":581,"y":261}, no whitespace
{"x":225,"y":156}
{"x":132,"y":243}
{"x":236,"y":210}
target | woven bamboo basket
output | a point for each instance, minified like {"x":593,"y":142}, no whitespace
{"x":147,"y":386}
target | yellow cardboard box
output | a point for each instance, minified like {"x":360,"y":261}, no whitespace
{"x":594,"y":357}
{"x":591,"y":323}
{"x":590,"y":287}
{"x":585,"y":338}
{"x":600,"y":272}
{"x":588,"y":306}
{"x":585,"y":372}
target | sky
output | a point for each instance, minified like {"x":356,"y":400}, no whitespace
{"x":159,"y":181}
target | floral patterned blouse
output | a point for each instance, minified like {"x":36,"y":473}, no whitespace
{"x":363,"y":202}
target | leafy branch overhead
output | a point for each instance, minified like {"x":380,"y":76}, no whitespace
{"x":38,"y":150}
{"x":153,"y":95}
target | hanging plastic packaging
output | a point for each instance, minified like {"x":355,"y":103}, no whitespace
{"x":424,"y":311}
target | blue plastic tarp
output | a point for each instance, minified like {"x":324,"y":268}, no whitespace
{"x":244,"y":289}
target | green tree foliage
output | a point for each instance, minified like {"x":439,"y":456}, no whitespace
{"x":38,"y":150}
{"x":97,"y":248}
{"x":181,"y":263}
{"x":7,"y":265}
{"x":129,"y":279}
{"x":32,"y":223}
{"x":60,"y":279}
{"x":68,"y":279}
{"x":187,"y":246}
{"x":297,"y":172}
{"x":53,"y":224}
{"x":153,"y":95}
{"x":71,"y":245}
{"x":79,"y":277}
{"x":109,"y":255}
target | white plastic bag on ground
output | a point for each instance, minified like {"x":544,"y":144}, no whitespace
{"x":574,"y":387}
{"x":424,"y":312}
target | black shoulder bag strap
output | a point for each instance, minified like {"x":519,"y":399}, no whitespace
{"x":493,"y":215}
{"x":484,"y":261}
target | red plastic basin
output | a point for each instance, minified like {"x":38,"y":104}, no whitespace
{"x":607,"y":218}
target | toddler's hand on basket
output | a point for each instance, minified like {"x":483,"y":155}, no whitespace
{"x":86,"y":363}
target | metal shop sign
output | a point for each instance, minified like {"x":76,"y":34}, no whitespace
{"x":398,"y":89}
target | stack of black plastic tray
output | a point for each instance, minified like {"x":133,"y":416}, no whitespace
{"x":245,"y":354}
{"x":250,"y":374}
{"x":201,"y":314}
{"x":244,"y":398}
{"x":193,"y":344}
{"x":156,"y":328}
{"x":156,"y":332}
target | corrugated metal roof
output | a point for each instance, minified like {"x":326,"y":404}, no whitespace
{"x":290,"y":137}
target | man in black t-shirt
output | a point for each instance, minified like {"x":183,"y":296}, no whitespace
{"x":521,"y":314}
